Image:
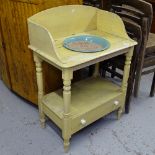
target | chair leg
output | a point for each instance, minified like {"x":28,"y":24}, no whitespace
{"x":103,"y":73}
{"x":152,"y":92}
{"x":102,"y":69}
{"x":139,"y":68}
{"x":129,"y":94}
{"x":91,"y":70}
{"x":128,"y":99}
{"x":137,"y":82}
{"x":130,"y":86}
{"x":113,"y":69}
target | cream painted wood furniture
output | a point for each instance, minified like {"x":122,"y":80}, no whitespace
{"x":72,"y":109}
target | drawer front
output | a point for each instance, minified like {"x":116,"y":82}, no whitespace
{"x":80,"y":122}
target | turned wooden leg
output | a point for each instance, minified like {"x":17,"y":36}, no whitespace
{"x":66,"y":145}
{"x":42,"y":120}
{"x":125,"y":80}
{"x":67,"y":76}
{"x":119,"y":113}
{"x":39,"y":75}
{"x":96,"y":71}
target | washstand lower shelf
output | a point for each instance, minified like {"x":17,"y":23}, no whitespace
{"x":91,"y":99}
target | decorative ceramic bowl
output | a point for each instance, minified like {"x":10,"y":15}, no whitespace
{"x":86,"y":43}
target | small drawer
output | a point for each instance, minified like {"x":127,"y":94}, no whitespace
{"x":89,"y":117}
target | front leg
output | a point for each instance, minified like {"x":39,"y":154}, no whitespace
{"x":67,"y":76}
{"x":119,"y":112}
{"x":125,"y":80}
{"x":39,"y":75}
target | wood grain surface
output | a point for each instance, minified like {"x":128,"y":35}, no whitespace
{"x":4,"y":73}
{"x":17,"y":59}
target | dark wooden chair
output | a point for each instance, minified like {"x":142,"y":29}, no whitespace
{"x":102,"y":4}
{"x":95,"y":3}
{"x":134,"y":31}
{"x":132,"y":9}
{"x":141,"y":13}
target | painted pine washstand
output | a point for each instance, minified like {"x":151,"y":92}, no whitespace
{"x":91,"y":98}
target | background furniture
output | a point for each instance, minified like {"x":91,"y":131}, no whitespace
{"x":71,"y":109}
{"x":94,"y":3}
{"x":136,"y":11}
{"x":134,"y":31}
{"x":16,"y":65}
{"x":102,"y":4}
{"x":106,"y":5}
{"x":153,"y":22}
{"x":16,"y":62}
{"x":140,"y":13}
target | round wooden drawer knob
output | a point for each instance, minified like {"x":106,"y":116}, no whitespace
{"x":116,"y":102}
{"x":83,"y":121}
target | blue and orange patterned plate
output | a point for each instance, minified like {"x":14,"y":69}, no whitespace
{"x":86,"y":43}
